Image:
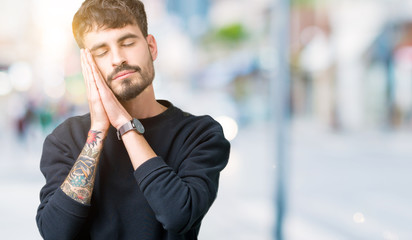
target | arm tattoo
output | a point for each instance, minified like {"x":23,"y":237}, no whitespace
{"x":80,"y":181}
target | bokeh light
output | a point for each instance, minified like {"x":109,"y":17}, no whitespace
{"x":21,"y":76}
{"x":5,"y":85}
{"x":358,"y":217}
{"x":230,"y":127}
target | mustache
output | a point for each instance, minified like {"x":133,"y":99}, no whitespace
{"x":122,"y":67}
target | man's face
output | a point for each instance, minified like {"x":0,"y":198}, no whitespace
{"x":124,"y":57}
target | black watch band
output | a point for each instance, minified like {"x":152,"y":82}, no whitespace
{"x":133,"y":124}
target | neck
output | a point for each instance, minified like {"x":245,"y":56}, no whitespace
{"x":144,"y":105}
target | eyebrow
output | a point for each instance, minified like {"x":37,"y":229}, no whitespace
{"x":121,"y":39}
{"x":127,"y":36}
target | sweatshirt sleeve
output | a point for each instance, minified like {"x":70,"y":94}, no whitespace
{"x":58,"y":216}
{"x":181,"y":198}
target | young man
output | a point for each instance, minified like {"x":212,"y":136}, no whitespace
{"x":135,"y":167}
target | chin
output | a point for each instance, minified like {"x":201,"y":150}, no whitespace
{"x":130,"y":88}
{"x":129,"y":94}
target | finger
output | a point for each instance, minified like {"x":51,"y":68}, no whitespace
{"x":85,"y":72}
{"x":86,"y":77}
{"x":95,"y":75}
{"x":94,"y":97}
{"x":107,"y":96}
{"x":98,"y":77}
{"x":89,"y":81}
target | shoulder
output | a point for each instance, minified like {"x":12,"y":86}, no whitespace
{"x":176,"y":119}
{"x":74,"y":128}
{"x":196,"y":129}
{"x":202,"y":134}
{"x":74,"y":123}
{"x":204,"y":123}
{"x":66,"y":139}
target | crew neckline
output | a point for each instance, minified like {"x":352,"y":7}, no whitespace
{"x":150,"y":121}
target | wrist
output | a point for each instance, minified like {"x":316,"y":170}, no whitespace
{"x":95,"y":137}
{"x":133,"y":124}
{"x":102,"y":126}
{"x":101,"y":130}
{"x":122,"y":122}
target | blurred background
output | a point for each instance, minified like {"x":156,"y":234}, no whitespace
{"x":332,"y":161}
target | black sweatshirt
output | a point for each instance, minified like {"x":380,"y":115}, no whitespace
{"x":165,"y":198}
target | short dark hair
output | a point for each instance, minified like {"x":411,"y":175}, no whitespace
{"x":108,"y":14}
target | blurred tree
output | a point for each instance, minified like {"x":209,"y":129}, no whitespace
{"x":233,"y":33}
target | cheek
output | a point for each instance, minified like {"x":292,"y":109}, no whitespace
{"x":103,"y":68}
{"x":146,"y":60}
{"x":140,"y":55}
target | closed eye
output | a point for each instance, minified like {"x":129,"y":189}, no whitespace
{"x":128,"y":44}
{"x":100,"y":53}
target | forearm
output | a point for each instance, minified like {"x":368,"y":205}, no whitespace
{"x":178,"y":202}
{"x":59,"y":154}
{"x":180,"y":197}
{"x":138,"y":149}
{"x":79,"y":182}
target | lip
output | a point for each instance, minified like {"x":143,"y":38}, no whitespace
{"x":123,"y":74}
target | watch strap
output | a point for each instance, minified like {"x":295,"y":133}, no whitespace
{"x":133,"y":124}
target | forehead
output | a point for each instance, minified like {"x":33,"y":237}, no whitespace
{"x":108,"y":35}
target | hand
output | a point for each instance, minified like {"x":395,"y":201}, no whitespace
{"x":115,"y":111}
{"x":98,"y":115}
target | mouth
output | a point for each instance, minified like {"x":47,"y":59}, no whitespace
{"x":123,"y":74}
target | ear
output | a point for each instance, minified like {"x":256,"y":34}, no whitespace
{"x":151,"y":41}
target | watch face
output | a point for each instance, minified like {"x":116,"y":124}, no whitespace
{"x":138,"y":125}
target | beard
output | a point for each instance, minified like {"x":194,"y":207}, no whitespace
{"x":131,"y":87}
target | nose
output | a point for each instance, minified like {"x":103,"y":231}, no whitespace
{"x":118,"y":58}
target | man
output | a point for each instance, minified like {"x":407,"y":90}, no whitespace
{"x":135,"y":167}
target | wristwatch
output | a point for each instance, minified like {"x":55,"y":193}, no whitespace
{"x":133,"y":124}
